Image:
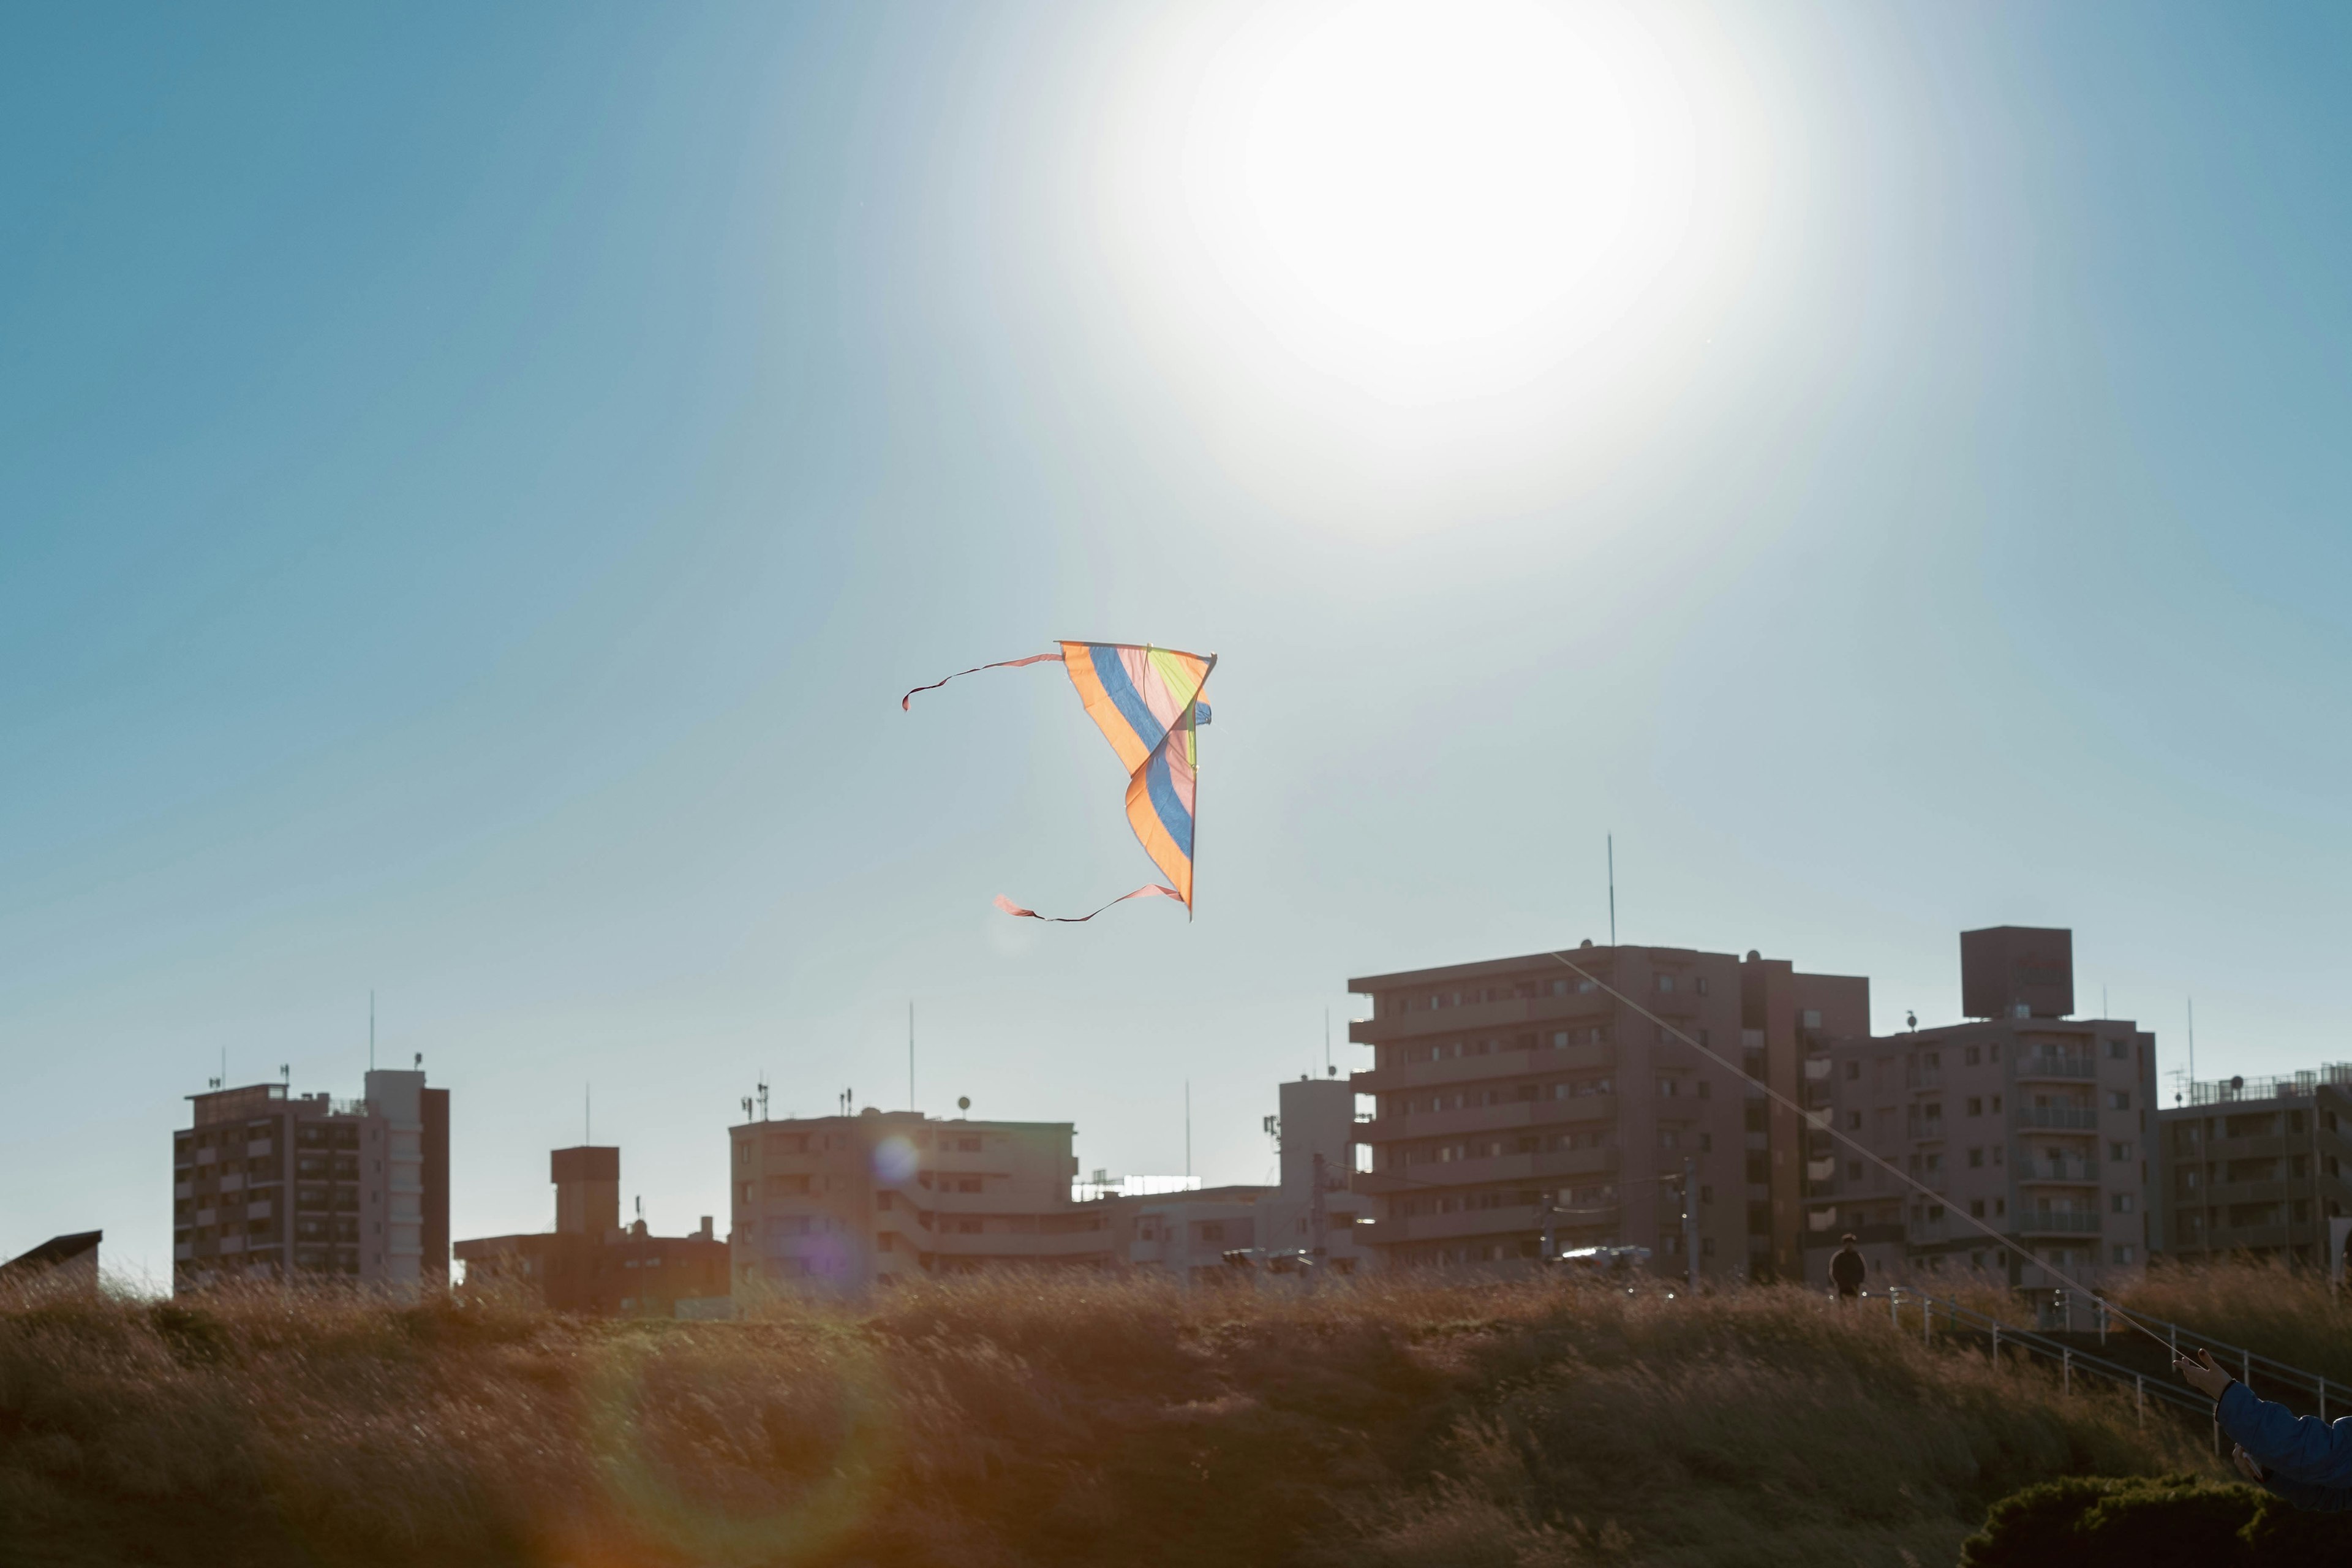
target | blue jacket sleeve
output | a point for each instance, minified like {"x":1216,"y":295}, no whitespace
{"x":2303,"y":1495}
{"x":2298,"y":1450}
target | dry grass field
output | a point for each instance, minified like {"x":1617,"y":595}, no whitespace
{"x":1026,"y":1421}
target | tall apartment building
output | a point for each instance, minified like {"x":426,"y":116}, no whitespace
{"x":591,"y":1263}
{"x":2258,"y":1166}
{"x":2033,"y":1123}
{"x":841,"y":1203}
{"x":1512,"y":1087}
{"x":269,"y":1187}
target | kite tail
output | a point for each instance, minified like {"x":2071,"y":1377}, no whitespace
{"x":1153,"y":891}
{"x":975,"y":670}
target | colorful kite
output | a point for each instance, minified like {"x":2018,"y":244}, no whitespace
{"x":1147,"y":701}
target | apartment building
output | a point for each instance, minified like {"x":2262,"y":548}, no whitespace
{"x":1310,"y":1221}
{"x":2258,"y":1167}
{"x":266,"y":1186}
{"x":841,"y":1204}
{"x":591,"y":1263}
{"x":1514,"y":1090}
{"x":2022,"y":1119}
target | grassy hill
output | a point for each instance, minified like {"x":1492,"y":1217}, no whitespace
{"x":1026,"y":1421}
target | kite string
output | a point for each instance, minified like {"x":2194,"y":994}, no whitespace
{"x":1804,"y":1113}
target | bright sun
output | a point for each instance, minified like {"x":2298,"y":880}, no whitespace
{"x":1436,"y":201}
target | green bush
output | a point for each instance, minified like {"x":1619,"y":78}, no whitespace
{"x":2161,"y":1521}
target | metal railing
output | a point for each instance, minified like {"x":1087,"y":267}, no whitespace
{"x":1957,"y":1319}
{"x":2057,"y":1116}
{"x":2246,"y":1364}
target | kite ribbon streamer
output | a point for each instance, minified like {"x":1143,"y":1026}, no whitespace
{"x":975,"y":670}
{"x":1153,"y":890}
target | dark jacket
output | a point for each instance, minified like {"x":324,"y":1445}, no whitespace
{"x":2306,"y":1460}
{"x":1846,"y":1269}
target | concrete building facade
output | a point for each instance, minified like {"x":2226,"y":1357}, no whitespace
{"x":269,"y":1187}
{"x":2257,"y":1167}
{"x":1515,"y":1091}
{"x":841,"y":1204}
{"x":1310,"y":1220}
{"x":592,"y":1264}
{"x":2035,"y":1124}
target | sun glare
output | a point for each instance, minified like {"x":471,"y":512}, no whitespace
{"x":1436,"y":201}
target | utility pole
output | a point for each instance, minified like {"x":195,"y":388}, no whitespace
{"x":1690,"y":1220}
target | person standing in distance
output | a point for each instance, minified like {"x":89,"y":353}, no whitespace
{"x":1847,"y":1272}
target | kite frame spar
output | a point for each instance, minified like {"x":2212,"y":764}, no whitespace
{"x":1118,"y":698}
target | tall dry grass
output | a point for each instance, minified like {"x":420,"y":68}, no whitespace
{"x":1020,"y":1421}
{"x":2273,"y":1311}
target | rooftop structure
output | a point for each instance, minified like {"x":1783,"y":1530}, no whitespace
{"x":67,"y":1261}
{"x":592,"y":1264}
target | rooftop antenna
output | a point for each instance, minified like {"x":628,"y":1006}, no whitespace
{"x":286,"y":1074}
{"x":224,"y":1078}
{"x":747,"y":1107}
{"x":763,"y":1097}
{"x":1612,"y":889}
{"x":2193,"y":1041}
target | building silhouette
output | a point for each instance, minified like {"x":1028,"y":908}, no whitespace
{"x":2020,"y":1118}
{"x":2257,"y":1167}
{"x":269,"y":1187}
{"x":592,"y":1264}
{"x":1517,"y":1094}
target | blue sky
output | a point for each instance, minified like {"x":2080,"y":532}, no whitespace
{"x":473,"y":486}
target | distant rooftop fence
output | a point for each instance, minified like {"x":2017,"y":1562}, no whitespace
{"x":2286,"y":1086}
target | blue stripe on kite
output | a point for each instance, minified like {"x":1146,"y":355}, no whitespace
{"x":1164,"y":804}
{"x":1111,"y":671}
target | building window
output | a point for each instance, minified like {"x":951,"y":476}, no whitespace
{"x":1854,"y":1170}
{"x":1992,"y":1052}
{"x":2124,"y":1203}
{"x":1852,"y":1072}
{"x":2125,"y":1253}
{"x":1976,"y":1106}
{"x":1976,"y":1208}
{"x":1666,"y":1088}
{"x":1669,"y":1139}
{"x":1811,"y":1018}
{"x":1976,"y":1158}
{"x":1999,"y":1206}
{"x":2118,"y":1099}
{"x":1972,"y":1057}
{"x":2119,"y":1153}
{"x":1999,"y":1152}
{"x":1996,"y":1104}
{"x":2118,"y":1050}
{"x":1853,"y":1121}
{"x":1665,"y":983}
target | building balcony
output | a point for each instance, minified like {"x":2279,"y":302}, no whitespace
{"x":1817,"y":1070}
{"x":1516,"y":1221}
{"x":2074,"y":1173}
{"x":2033,"y":1064}
{"x":1452,"y":1070}
{"x":2222,"y":1193}
{"x":1519,"y":1013}
{"x":2230,"y":1237}
{"x":1437,"y":1173}
{"x":1922,"y":1080}
{"x":2058,"y":1222}
{"x":1508,"y":1116}
{"x":2083,"y":1117}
